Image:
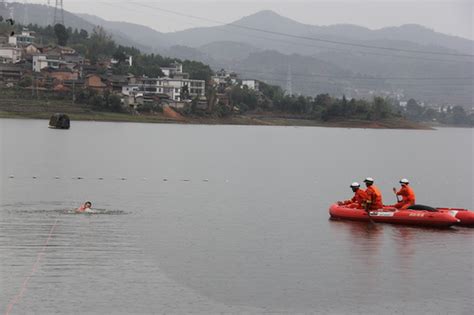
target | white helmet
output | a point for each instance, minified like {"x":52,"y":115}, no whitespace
{"x":369,"y":180}
{"x":404,"y":181}
{"x":355,"y":185}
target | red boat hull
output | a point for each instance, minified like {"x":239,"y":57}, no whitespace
{"x":393,"y":216}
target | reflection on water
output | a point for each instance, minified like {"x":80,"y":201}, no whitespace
{"x":239,"y":226}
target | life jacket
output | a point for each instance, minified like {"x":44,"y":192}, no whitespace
{"x":360,"y":197}
{"x":375,"y":196}
{"x":408,"y":195}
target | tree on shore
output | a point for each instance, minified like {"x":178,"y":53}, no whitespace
{"x":414,"y":111}
{"x":197,"y":70}
{"x":380,"y":108}
{"x":61,"y":34}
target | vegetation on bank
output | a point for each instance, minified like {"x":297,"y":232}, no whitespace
{"x":326,"y":108}
{"x":43,"y":108}
{"x":449,"y":115}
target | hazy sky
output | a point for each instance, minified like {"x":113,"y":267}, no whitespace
{"x":454,"y":17}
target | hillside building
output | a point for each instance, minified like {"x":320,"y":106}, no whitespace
{"x":171,"y":87}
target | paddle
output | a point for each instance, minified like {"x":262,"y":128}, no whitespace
{"x":395,"y":191}
{"x":368,"y":213}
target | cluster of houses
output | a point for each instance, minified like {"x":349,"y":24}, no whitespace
{"x":177,"y":90}
{"x":174,"y":88}
{"x":51,"y":68}
{"x":62,"y":69}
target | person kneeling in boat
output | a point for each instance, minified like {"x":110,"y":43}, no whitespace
{"x":85,"y":207}
{"x":374,"y":196}
{"x":407,"y":193}
{"x":359,"y":199}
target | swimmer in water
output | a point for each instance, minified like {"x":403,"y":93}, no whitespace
{"x":86,"y":207}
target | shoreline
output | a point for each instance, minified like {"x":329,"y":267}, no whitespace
{"x":24,"y":108}
{"x":15,"y":106}
{"x":244,"y":120}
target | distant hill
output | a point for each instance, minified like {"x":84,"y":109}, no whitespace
{"x":313,"y":63}
{"x":355,"y":75}
{"x":424,"y":36}
{"x":143,"y":35}
{"x":310,"y":61}
{"x":185,"y":52}
{"x":228,"y":52}
{"x":270,"y":21}
{"x":274,"y":53}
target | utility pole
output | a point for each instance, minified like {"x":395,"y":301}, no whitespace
{"x":289,"y":82}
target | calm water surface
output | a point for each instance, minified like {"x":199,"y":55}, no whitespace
{"x":226,"y":219}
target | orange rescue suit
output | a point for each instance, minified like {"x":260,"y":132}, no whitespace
{"x":408,"y":197}
{"x":360,"y":197}
{"x":374,"y":197}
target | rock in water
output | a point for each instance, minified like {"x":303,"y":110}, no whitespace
{"x":59,"y":121}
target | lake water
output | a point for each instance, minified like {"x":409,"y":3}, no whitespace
{"x":226,"y":219}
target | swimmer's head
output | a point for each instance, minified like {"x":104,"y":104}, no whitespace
{"x":88,"y":204}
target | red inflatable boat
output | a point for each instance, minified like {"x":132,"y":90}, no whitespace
{"x":394,"y":216}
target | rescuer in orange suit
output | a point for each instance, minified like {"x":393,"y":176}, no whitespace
{"x":407,"y":193}
{"x":359,"y":199}
{"x":374,"y":196}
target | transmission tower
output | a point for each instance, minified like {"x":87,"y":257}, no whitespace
{"x":289,"y":82}
{"x":59,"y":13}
